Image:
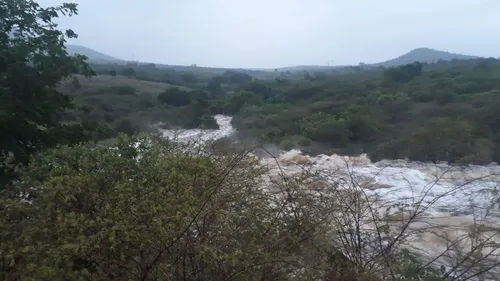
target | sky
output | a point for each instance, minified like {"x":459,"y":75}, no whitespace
{"x":279,"y":33}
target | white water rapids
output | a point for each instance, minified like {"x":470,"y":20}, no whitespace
{"x":225,"y":130}
{"x":455,"y":200}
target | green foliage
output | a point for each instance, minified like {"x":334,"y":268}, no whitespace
{"x":287,"y":145}
{"x":144,"y":211}
{"x":175,"y":97}
{"x":392,"y":113}
{"x":232,"y":77}
{"x":125,"y":126}
{"x":33,"y":60}
{"x":150,"y":209}
{"x":189,"y":78}
{"x":445,"y":98}
{"x":261,"y":88}
{"x":444,"y":139}
{"x":214,"y":87}
{"x":367,"y":110}
{"x":403,"y":74}
{"x":321,"y":127}
{"x":146,"y":208}
{"x":238,"y":100}
{"x":411,"y":269}
{"x":129,"y":72}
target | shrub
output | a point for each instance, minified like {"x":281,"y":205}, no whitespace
{"x":174,"y":97}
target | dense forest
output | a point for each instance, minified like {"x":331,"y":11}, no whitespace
{"x":84,"y":195}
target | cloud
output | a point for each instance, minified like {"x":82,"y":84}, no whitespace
{"x":263,"y":33}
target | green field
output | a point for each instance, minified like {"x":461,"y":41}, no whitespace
{"x":106,"y":81}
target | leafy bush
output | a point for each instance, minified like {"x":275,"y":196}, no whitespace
{"x":147,"y":208}
{"x":175,"y":97}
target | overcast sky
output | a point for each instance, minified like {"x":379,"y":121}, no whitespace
{"x":276,"y":33}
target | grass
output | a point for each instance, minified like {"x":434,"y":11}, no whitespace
{"x":104,"y":81}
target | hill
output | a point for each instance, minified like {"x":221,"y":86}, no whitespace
{"x":420,"y":54}
{"x":309,"y":68}
{"x":93,"y":55}
{"x":423,"y":55}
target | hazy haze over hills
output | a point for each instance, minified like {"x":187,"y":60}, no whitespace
{"x":272,"y":34}
{"x":424,"y":55}
{"x":421,"y":55}
{"x":93,"y":55}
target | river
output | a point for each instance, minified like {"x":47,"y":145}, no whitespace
{"x":453,"y":200}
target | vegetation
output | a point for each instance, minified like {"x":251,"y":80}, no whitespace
{"x":387,"y":113}
{"x":33,"y":60}
{"x":424,"y":55}
{"x":147,"y":211}
{"x":146,"y":208}
{"x":393,"y":113}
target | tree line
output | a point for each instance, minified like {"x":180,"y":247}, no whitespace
{"x":414,"y":111}
{"x":423,"y":112}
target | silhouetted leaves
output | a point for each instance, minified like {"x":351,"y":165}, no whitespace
{"x":33,"y":62}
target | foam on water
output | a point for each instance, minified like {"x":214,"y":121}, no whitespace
{"x":454,"y":201}
{"x":450,"y":195}
{"x":225,"y":130}
{"x":447,"y":189}
{"x":458,"y":188}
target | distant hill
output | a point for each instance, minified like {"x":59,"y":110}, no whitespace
{"x":309,"y":68}
{"x":420,"y":54}
{"x":424,"y":55}
{"x":100,"y":58}
{"x":93,"y":55}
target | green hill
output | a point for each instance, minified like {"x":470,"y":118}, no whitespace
{"x":93,"y":55}
{"x":423,"y":55}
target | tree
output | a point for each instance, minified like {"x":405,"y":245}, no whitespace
{"x":448,"y":139}
{"x":445,"y":98}
{"x":324,"y":127}
{"x":175,"y":97}
{"x":395,"y":105}
{"x":308,"y":76}
{"x":214,"y":87}
{"x":235,"y":77}
{"x":405,"y":73}
{"x":259,"y":87}
{"x":129,"y":72}
{"x":125,"y":126}
{"x":189,"y":78}
{"x":148,"y":208}
{"x":237,"y":100}
{"x":33,"y":60}
{"x":151,"y":209}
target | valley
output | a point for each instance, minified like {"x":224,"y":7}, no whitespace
{"x":393,"y":113}
{"x":291,"y":169}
